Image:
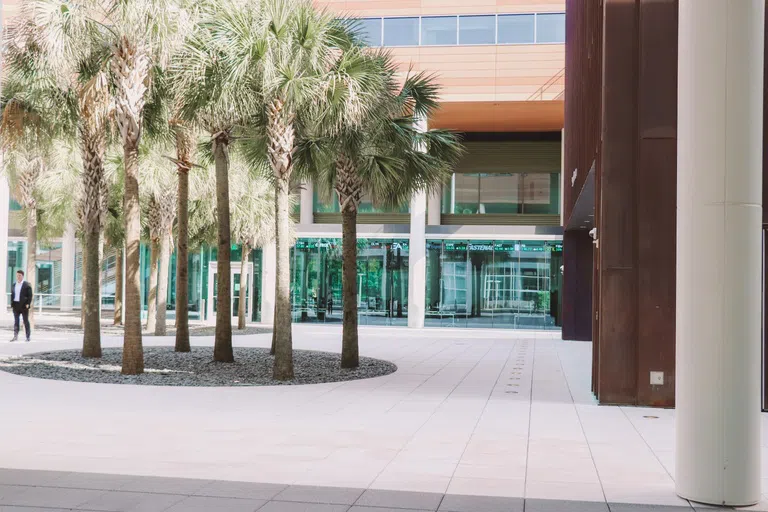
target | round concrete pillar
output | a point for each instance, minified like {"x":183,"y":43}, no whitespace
{"x":719,"y":215}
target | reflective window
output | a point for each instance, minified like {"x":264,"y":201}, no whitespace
{"x":323,"y":205}
{"x":466,"y":29}
{"x":477,"y":29}
{"x":550,"y":28}
{"x":438,"y":30}
{"x":370,"y":30}
{"x":401,"y":31}
{"x":511,"y":284}
{"x":499,"y":193}
{"x":382,"y":286}
{"x":517,"y":28}
{"x":502,"y":193}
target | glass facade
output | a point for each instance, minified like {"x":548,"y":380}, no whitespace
{"x":507,"y":193}
{"x":500,"y":284}
{"x":533,"y":28}
{"x":439,"y":30}
{"x":382,"y":272}
{"x":517,"y":29}
{"x":322,"y":205}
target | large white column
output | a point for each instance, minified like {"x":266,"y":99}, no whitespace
{"x":719,"y":184}
{"x":268,"y":280}
{"x":306,"y":203}
{"x":5,"y":204}
{"x":68,"y":268}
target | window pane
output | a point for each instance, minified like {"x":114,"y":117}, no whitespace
{"x":465,"y":200}
{"x":370,"y":31}
{"x":499,"y":193}
{"x":550,"y":28}
{"x":477,"y":29}
{"x":438,"y":30}
{"x":401,"y":32}
{"x":541,"y":193}
{"x":516,"y":29}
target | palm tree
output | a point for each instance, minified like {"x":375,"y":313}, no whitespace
{"x":157,"y":185}
{"x":284,"y":52}
{"x":253,"y":222}
{"x":185,"y":147}
{"x":145,"y":34}
{"x":213,"y":98}
{"x":60,"y":50}
{"x":386,"y":157}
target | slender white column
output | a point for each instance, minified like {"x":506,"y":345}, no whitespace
{"x":417,"y":255}
{"x":306,"y":204}
{"x":433,"y":208}
{"x":719,"y":184}
{"x":68,"y":268}
{"x":417,"y":261}
{"x":5,"y":205}
{"x":268,"y":280}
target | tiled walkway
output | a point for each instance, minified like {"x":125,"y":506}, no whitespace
{"x":483,"y":413}
{"x":22,"y":491}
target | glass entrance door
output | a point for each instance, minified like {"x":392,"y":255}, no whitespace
{"x":236,"y":281}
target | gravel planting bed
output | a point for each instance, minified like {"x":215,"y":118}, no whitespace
{"x":164,"y":367}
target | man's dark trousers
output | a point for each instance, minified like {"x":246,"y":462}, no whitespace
{"x":20,"y":311}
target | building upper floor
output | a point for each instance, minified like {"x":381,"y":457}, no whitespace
{"x":500,"y":63}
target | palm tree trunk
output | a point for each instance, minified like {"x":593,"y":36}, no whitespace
{"x":154,"y":255}
{"x":162,"y":284}
{"x":119,"y":288}
{"x":282,"y":138}
{"x":243,"y":283}
{"x":133,"y":351}
{"x":182,"y":262}
{"x":91,"y":260}
{"x":222,"y":350}
{"x":31,"y":276}
{"x":283,"y":366}
{"x":350,"y":353}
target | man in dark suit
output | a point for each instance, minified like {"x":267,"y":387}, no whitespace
{"x":21,"y":301}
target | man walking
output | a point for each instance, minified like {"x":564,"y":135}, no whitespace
{"x":21,"y":300}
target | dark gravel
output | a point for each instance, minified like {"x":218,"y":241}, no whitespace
{"x":164,"y":367}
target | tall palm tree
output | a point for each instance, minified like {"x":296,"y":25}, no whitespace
{"x":284,"y":52}
{"x":145,"y":34}
{"x":387,"y":157}
{"x":58,"y":48}
{"x":253,"y":222}
{"x":157,"y":185}
{"x":185,"y":151}
{"x":215,"y":99}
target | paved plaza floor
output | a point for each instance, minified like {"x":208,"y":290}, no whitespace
{"x":473,"y":420}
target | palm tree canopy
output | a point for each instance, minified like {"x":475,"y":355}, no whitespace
{"x":390,"y":150}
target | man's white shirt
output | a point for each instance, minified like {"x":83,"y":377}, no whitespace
{"x":17,"y":292}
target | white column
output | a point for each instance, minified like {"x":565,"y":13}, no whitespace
{"x":417,"y":255}
{"x":417,"y":261}
{"x":68,"y":268}
{"x":306,"y":216}
{"x":5,"y":205}
{"x":719,"y":183}
{"x":268,"y":280}
{"x":433,"y":207}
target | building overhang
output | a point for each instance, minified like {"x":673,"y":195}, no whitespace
{"x":499,"y":116}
